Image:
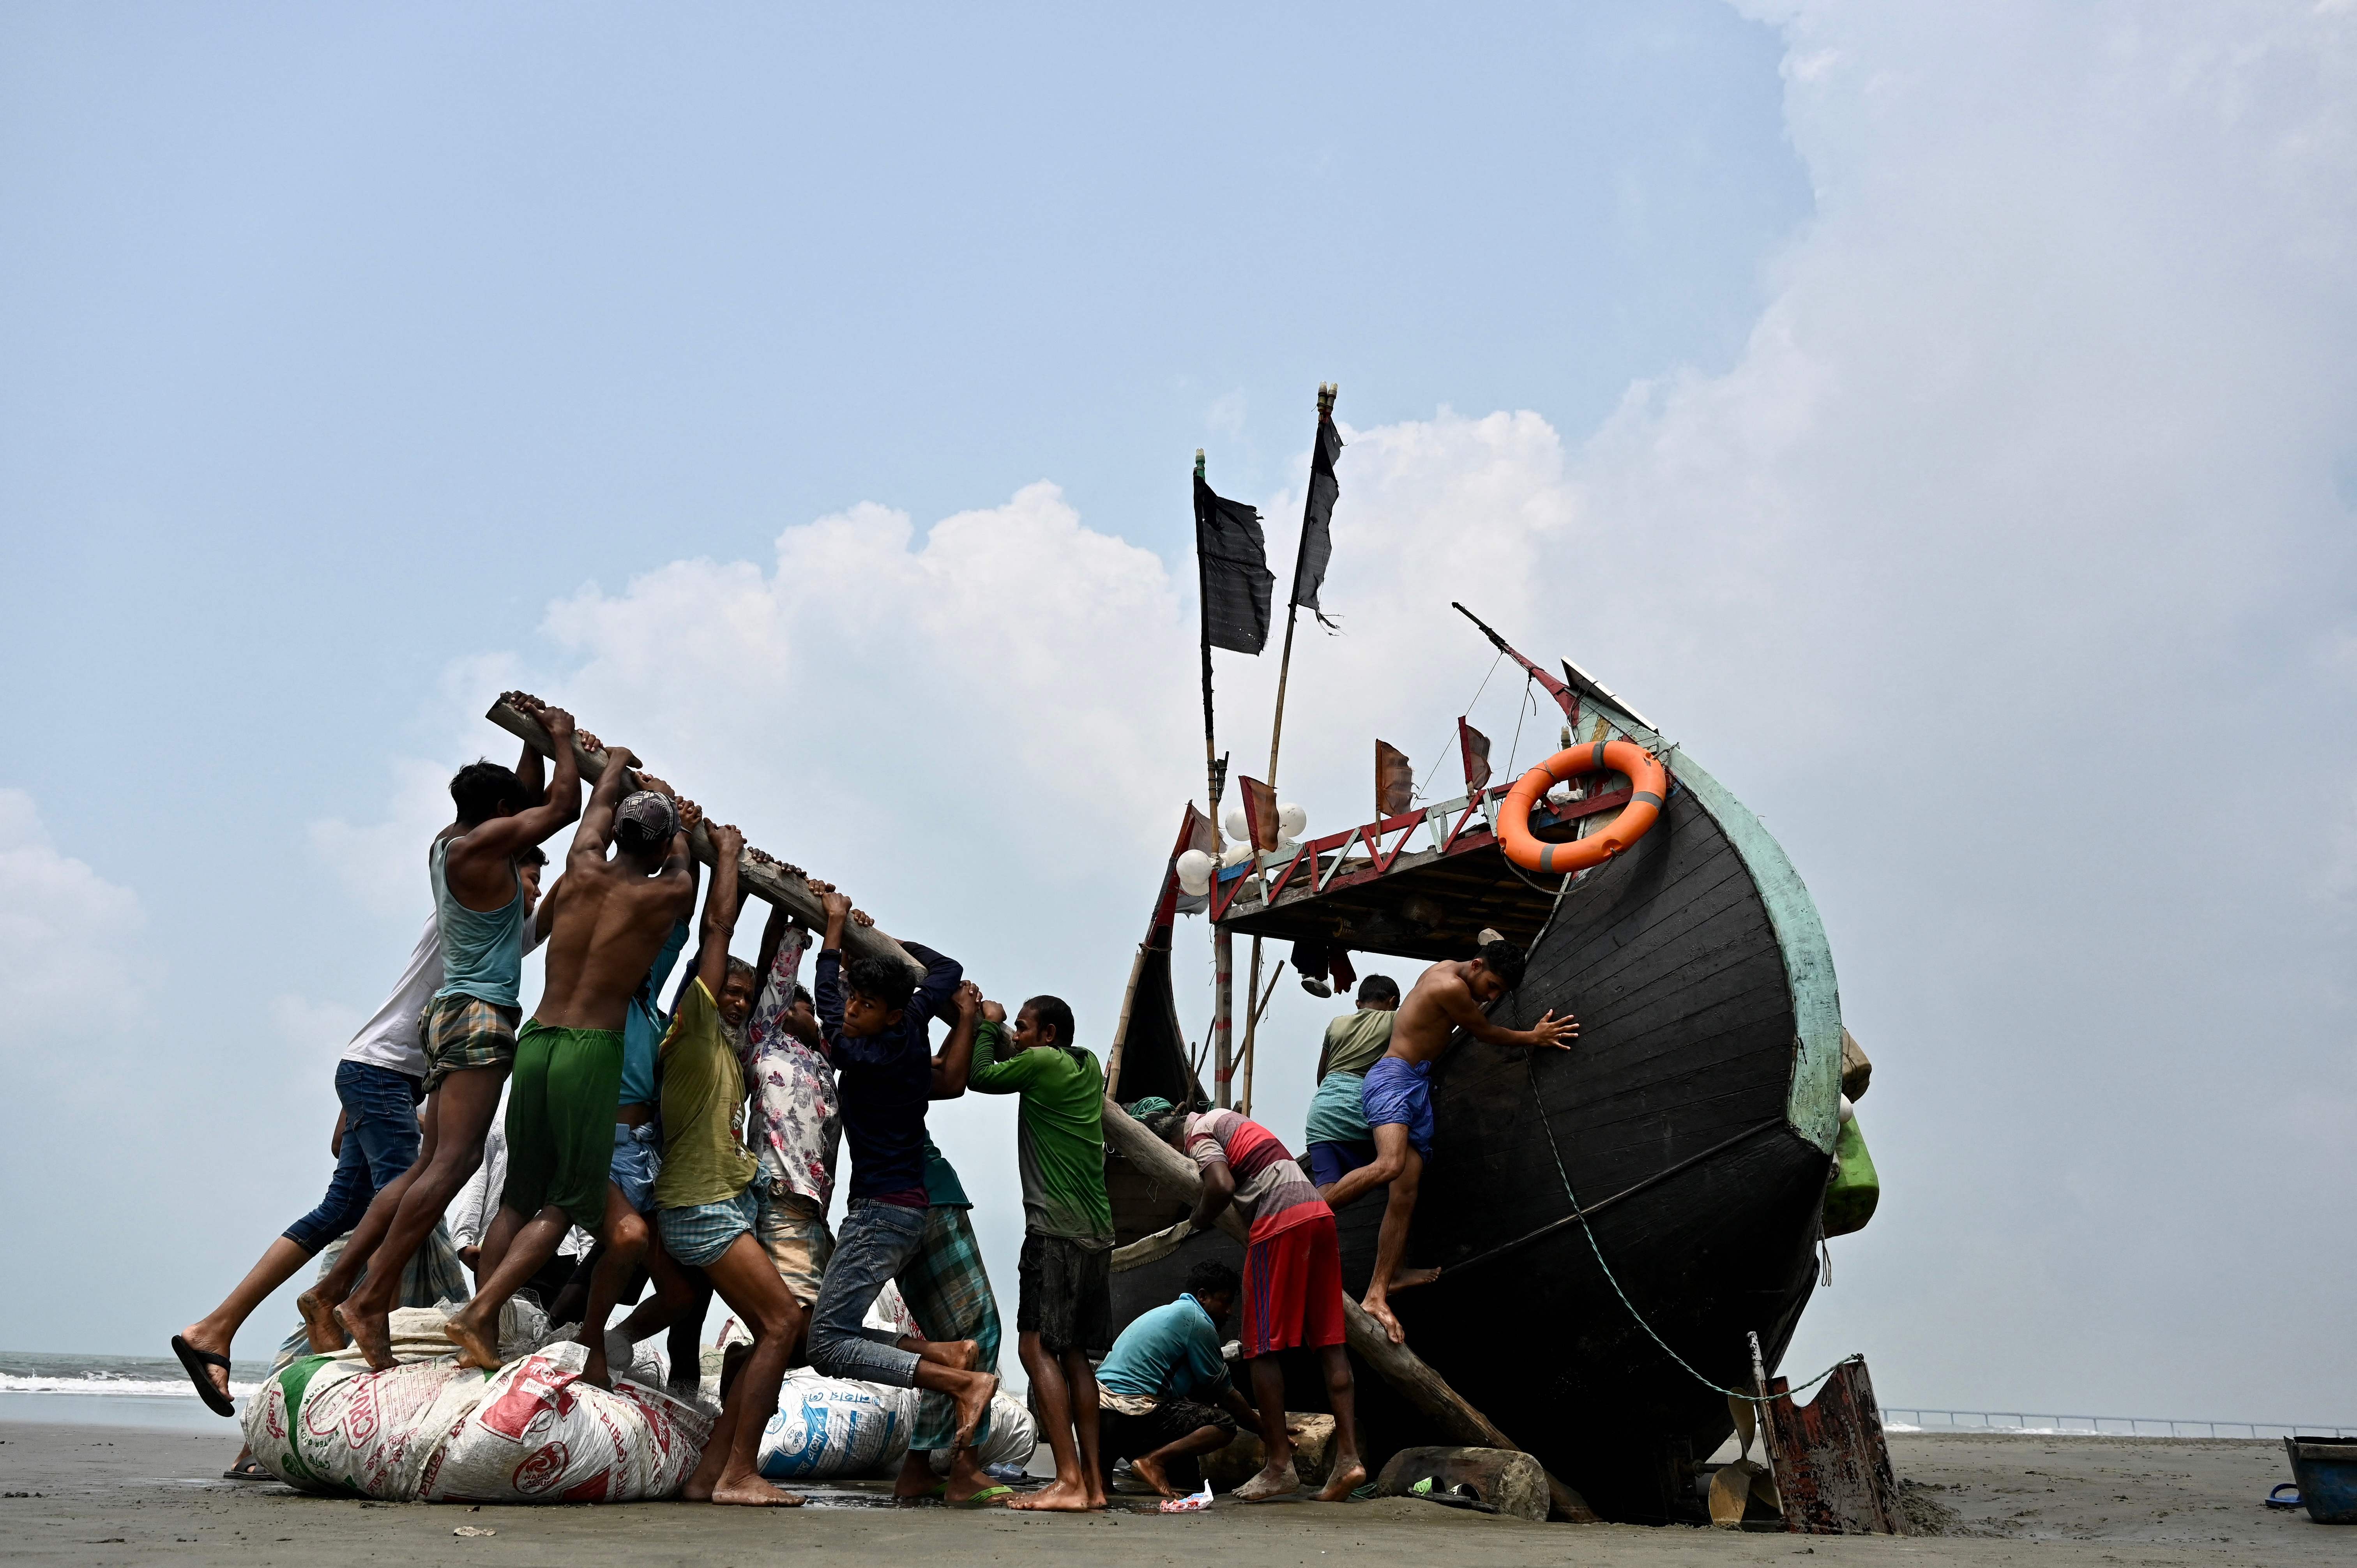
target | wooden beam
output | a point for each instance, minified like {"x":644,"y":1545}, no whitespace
{"x":757,"y":872}
{"x":1399,"y":1366}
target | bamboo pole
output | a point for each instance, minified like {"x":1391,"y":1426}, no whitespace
{"x":1224,"y":964}
{"x":1396,"y":1364}
{"x":757,"y":872}
{"x":1251,"y":1027}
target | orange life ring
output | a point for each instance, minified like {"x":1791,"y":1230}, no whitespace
{"x":1649,"y":780}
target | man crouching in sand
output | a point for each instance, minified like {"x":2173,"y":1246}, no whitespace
{"x":608,"y":920}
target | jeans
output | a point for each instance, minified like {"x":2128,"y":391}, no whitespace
{"x":380,"y":1142}
{"x":876,"y":1242}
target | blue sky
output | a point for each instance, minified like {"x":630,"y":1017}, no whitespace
{"x":1939,"y":424}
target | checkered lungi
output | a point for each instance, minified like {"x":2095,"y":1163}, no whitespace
{"x":462,"y":1032}
{"x":949,"y":1294}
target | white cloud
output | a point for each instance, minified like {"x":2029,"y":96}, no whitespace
{"x":68,"y":937}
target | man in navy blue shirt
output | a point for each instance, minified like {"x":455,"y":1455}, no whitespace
{"x":872,"y":1019}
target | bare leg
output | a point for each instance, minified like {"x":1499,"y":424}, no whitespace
{"x":971,"y":1390}
{"x":1081,"y":1380}
{"x":625,"y":1240}
{"x":1342,"y":1398}
{"x":498,"y":1237}
{"x":317,"y":1305}
{"x":916,"y":1477}
{"x":962,"y":1355}
{"x":279,"y":1262}
{"x":476,"y":1327}
{"x":729,"y":1472}
{"x":467,"y":1101}
{"x":1277,"y":1476}
{"x":1069,"y":1493}
{"x":965,"y":1476}
{"x":1153,"y":1468}
{"x":1393,"y":1150}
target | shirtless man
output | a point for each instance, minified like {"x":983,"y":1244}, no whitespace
{"x":608,"y":921}
{"x":1397,"y":1099}
{"x":468,"y":1029}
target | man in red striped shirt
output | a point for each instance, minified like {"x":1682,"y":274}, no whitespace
{"x":1293,"y":1285}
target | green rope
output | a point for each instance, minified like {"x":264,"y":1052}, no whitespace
{"x":1529,"y":1065}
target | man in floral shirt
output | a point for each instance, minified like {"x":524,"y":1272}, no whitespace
{"x":797,"y":1117}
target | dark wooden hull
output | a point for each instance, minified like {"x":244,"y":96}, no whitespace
{"x":1690,"y":1124}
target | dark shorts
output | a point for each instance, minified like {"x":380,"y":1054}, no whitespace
{"x":1398,"y":1092}
{"x":1121,"y":1437}
{"x":380,"y":1142}
{"x":1065,"y":1294}
{"x":1329,"y":1163}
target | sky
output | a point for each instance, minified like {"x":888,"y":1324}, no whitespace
{"x":1938,"y":420}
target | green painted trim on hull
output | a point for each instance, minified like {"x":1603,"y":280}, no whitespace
{"x":1813,"y":1104}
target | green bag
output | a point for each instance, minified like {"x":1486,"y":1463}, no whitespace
{"x":1854,"y":1189}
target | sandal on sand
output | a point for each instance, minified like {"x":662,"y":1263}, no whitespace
{"x":194,"y":1361}
{"x":252,"y":1470}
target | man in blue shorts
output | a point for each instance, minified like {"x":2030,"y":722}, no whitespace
{"x":1397,"y":1099}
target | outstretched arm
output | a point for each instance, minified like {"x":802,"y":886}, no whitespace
{"x":596,"y":829}
{"x":719,"y":904}
{"x":500,"y":838}
{"x":1458,"y":1002}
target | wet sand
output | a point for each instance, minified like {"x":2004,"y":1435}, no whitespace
{"x":123,"y":1495}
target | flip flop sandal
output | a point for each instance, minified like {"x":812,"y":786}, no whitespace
{"x":987,"y":1498}
{"x":194,"y":1361}
{"x":252,"y":1470}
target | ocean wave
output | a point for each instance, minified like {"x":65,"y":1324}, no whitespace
{"x":110,"y":1383}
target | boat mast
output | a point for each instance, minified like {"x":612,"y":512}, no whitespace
{"x":1253,"y":1001}
{"x":1223,"y":945}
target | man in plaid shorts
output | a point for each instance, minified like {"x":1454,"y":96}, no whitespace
{"x":468,"y":1029}
{"x":1293,"y":1285}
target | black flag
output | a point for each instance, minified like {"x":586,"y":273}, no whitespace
{"x":1235,"y":575}
{"x":1317,"y":518}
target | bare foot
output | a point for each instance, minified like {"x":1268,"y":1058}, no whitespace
{"x":916,"y":1477}
{"x":973,"y":1403}
{"x":1380,"y":1311}
{"x":319,"y":1325}
{"x":1407,"y":1277}
{"x":1345,"y":1479}
{"x":593,"y":1366}
{"x":752,"y":1491}
{"x":1270,"y":1482}
{"x":966,"y":1479}
{"x":474,"y":1349}
{"x":1148,"y":1471}
{"x":371,"y":1333}
{"x":1060,"y":1497}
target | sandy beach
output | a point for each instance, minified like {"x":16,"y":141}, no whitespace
{"x":93,"y":1495}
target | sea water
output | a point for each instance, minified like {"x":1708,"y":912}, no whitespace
{"x":116,"y":1390}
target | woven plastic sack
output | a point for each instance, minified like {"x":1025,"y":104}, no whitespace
{"x":430,"y":1430}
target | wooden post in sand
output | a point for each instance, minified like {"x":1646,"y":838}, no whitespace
{"x":758,"y":873}
{"x":1401,"y":1367}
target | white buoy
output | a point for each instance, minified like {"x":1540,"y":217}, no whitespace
{"x":1195,"y":869}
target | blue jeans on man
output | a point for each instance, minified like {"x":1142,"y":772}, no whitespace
{"x":380,"y":1141}
{"x":875,"y":1244}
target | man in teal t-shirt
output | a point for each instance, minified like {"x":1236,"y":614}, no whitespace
{"x":1064,"y":1312}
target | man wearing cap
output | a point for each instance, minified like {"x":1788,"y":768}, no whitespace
{"x":608,"y":921}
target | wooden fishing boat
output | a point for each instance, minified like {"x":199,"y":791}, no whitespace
{"x":1692,"y":1125}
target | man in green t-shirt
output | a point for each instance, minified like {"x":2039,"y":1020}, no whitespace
{"x":704,"y":1202}
{"x":1064,"y":1312}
